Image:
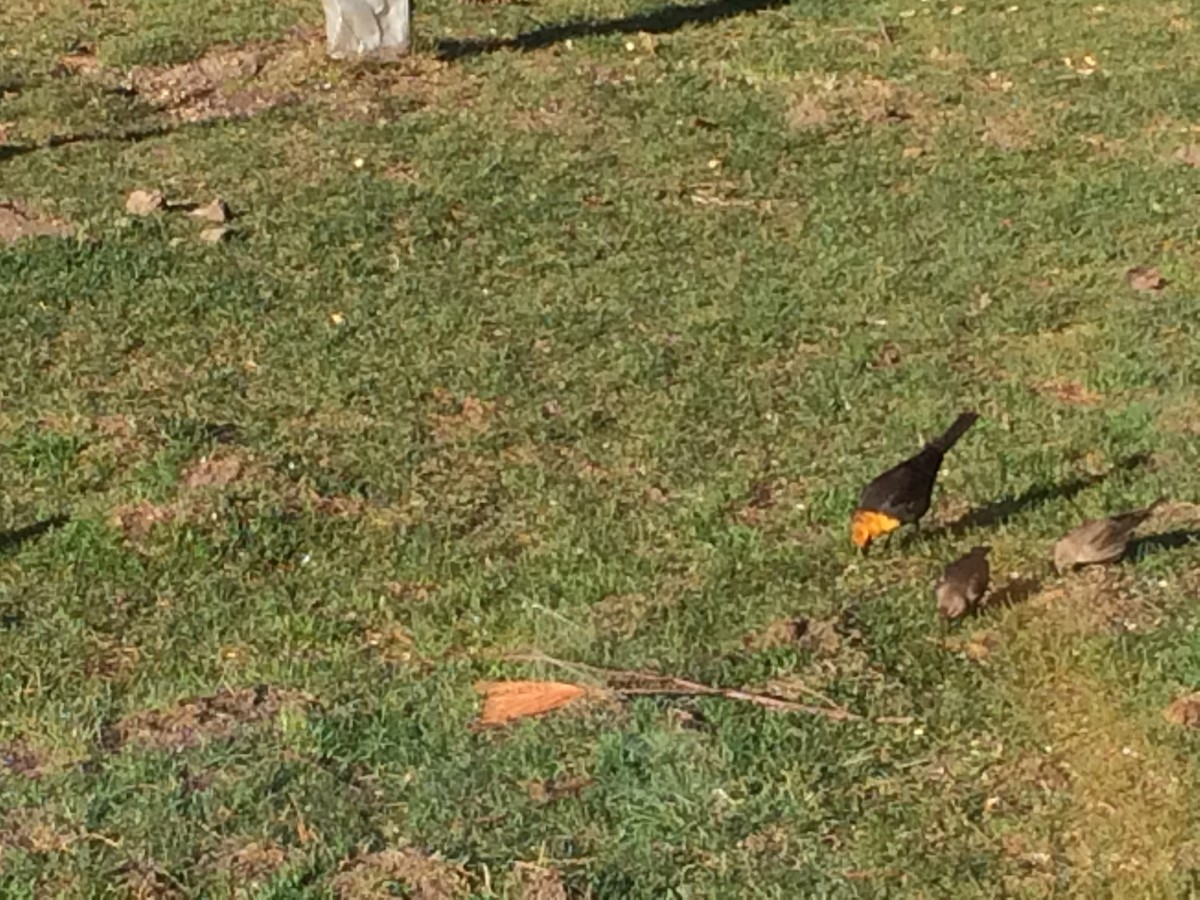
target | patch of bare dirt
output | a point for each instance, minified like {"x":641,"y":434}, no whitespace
{"x":424,"y":877}
{"x":1013,"y":130}
{"x":767,"y":500}
{"x":35,"y":831}
{"x":145,"y":879}
{"x":391,"y":643}
{"x":769,"y":841}
{"x":1097,"y":600}
{"x":212,"y":471}
{"x":551,"y":116}
{"x":1069,"y":392}
{"x":818,"y":635}
{"x":831,"y":100}
{"x":624,"y":614}
{"x":977,"y":646}
{"x":21,"y":758}
{"x":219,"y":85}
{"x":1181,"y":418}
{"x":251,"y":863}
{"x":780,"y":633}
{"x":199,"y":720}
{"x":136,"y":519}
{"x":17,"y":222}
{"x":1118,"y":802}
{"x":460,"y":419}
{"x":535,"y":882}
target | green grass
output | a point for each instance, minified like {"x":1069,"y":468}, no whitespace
{"x":510,"y":383}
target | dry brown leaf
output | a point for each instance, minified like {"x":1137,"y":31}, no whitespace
{"x":143,"y":202}
{"x":1071,"y":392}
{"x":1189,"y":155}
{"x":216,"y":212}
{"x":417,"y":591}
{"x":1184,"y":711}
{"x":214,"y":235}
{"x":79,"y":63}
{"x":505,"y":701}
{"x":551,"y":789}
{"x":1145,"y":278}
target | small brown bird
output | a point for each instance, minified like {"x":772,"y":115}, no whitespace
{"x":901,"y":495}
{"x":963,"y":584}
{"x":1100,"y":540}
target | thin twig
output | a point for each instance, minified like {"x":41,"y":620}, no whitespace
{"x":883,"y":30}
{"x":654,"y":683}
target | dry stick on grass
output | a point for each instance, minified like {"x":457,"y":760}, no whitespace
{"x":629,"y":683}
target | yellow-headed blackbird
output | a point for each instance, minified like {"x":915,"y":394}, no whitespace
{"x":1100,"y":540}
{"x":901,"y":495}
{"x":963,"y":584}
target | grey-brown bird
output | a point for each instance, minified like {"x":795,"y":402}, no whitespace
{"x":1100,"y":540}
{"x":963,"y":584}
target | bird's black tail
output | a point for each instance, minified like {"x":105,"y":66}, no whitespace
{"x":953,"y":433}
{"x":1138,"y":516}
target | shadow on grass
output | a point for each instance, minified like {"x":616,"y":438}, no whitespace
{"x":11,"y":540}
{"x":1013,"y":592}
{"x":1140,"y":548}
{"x":660,"y":21}
{"x":130,"y":136}
{"x":1004,"y":509}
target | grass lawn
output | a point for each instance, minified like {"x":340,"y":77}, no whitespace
{"x":578,"y":333}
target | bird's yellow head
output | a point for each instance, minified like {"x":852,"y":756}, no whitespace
{"x":868,"y":524}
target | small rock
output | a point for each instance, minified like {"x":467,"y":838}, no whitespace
{"x":143,"y":203}
{"x":214,"y":235}
{"x":216,"y":212}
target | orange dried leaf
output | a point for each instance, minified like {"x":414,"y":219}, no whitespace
{"x":1145,"y":278}
{"x":504,"y":701}
{"x":1184,"y":711}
